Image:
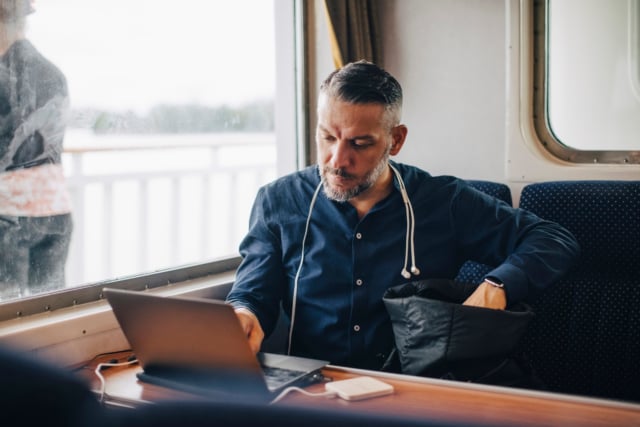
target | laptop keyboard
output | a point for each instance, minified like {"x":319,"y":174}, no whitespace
{"x":275,"y":377}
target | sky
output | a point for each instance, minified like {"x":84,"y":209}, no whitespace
{"x":133,"y":54}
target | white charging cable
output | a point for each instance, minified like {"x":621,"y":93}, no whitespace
{"x":411,"y":228}
{"x":295,"y":282}
{"x":283,"y":393}
{"x":103,"y":384}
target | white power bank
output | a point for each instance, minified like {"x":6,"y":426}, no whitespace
{"x":359,"y":388}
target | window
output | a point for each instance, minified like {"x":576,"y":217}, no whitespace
{"x":587,"y":100}
{"x":169,"y":133}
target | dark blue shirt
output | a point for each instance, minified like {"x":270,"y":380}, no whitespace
{"x":350,"y":262}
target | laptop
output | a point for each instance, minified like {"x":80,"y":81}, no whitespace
{"x":198,"y":345}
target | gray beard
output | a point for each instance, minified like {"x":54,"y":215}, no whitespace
{"x":346,"y":195}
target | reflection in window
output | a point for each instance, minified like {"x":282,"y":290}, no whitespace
{"x":169,"y":130}
{"x":593,"y":54}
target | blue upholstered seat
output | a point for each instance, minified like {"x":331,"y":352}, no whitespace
{"x":471,"y":271}
{"x":585,"y":338}
{"x":495,"y":189}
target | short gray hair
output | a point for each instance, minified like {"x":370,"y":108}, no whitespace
{"x":363,"y":82}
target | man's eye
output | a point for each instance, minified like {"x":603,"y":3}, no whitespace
{"x":360,"y":144}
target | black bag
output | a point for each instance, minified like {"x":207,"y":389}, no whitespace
{"x":437,"y":336}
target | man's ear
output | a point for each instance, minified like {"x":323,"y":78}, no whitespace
{"x":398,"y":136}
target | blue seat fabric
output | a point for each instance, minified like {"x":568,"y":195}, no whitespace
{"x":585,"y":337}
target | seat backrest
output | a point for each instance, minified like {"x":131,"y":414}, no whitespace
{"x":471,"y":271}
{"x":585,"y":338}
{"x":495,"y":189}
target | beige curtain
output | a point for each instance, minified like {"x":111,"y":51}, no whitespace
{"x":354,"y":31}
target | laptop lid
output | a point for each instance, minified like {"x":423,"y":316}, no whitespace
{"x":198,"y":345}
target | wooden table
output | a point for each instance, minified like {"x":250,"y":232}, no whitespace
{"x":426,"y":398}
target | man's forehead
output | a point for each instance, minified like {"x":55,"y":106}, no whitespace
{"x":335,"y":109}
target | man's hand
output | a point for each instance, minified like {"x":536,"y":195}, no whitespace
{"x":251,"y":327}
{"x":488,"y":296}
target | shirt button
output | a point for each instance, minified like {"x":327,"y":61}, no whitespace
{"x":358,"y":236}
{"x":356,"y":328}
{"x":359,"y":282}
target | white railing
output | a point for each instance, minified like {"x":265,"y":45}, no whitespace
{"x":148,"y":202}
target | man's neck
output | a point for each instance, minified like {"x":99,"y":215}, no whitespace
{"x":365,"y":201}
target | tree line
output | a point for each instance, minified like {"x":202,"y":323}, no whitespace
{"x":254,"y":117}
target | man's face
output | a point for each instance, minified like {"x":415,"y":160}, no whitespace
{"x":354,"y":143}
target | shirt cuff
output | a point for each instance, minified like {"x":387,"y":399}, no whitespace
{"x":515,"y":281}
{"x":245,"y":310}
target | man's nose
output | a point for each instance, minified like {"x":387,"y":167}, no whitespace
{"x":340,"y":155}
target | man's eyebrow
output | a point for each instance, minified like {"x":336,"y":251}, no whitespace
{"x":366,"y":137}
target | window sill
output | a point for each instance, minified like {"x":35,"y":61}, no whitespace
{"x":71,"y":335}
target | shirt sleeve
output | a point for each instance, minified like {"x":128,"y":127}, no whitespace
{"x":260,"y":278}
{"x":529,"y":253}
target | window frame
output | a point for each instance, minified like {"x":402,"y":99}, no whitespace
{"x":541,"y":122}
{"x":25,"y":316}
{"x":75,"y":296}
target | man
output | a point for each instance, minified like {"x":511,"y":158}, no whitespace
{"x":327,"y":241}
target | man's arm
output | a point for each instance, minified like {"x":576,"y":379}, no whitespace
{"x":530,"y":253}
{"x":258,"y":286}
